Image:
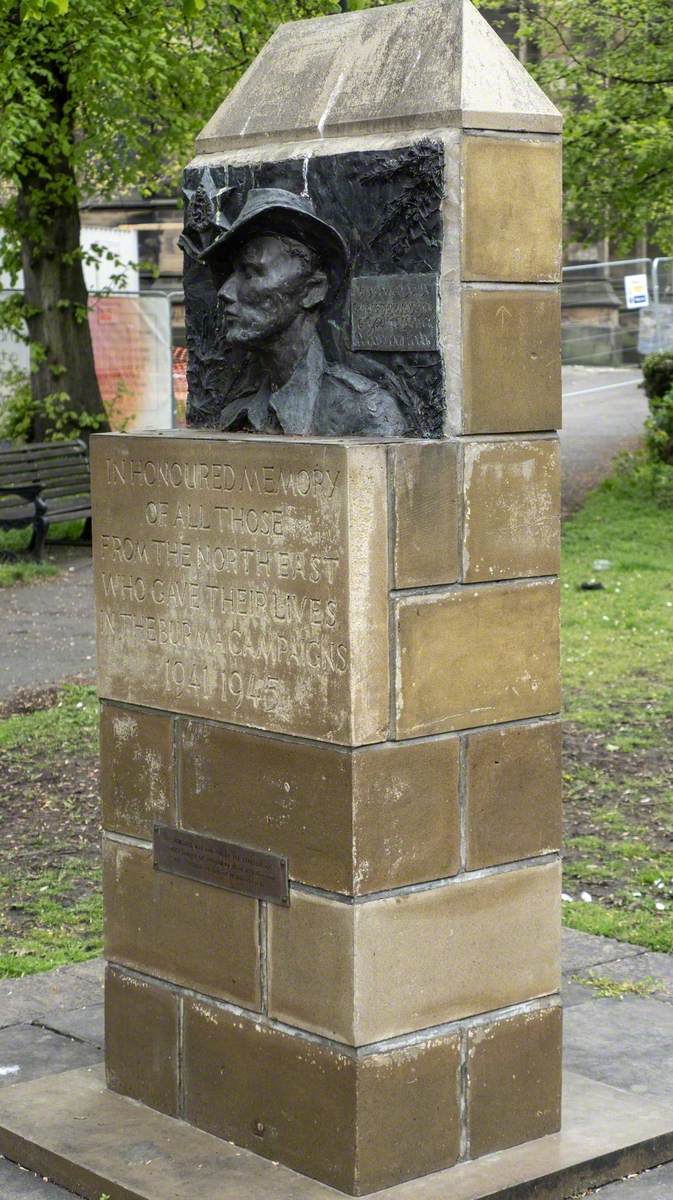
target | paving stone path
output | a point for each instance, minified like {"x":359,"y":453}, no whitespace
{"x":47,"y":630}
{"x":54,"y":1022}
{"x":48,"y":1023}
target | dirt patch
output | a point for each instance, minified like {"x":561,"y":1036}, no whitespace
{"x":618,"y":811}
{"x":51,"y":821}
{"x":50,"y":848}
{"x":582,"y":748}
{"x":49,"y":812}
{"x":28,"y":700}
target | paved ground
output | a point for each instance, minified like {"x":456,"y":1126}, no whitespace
{"x":54,"y":1022}
{"x":603,"y":413}
{"x":47,"y":628}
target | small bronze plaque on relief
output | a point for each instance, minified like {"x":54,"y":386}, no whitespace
{"x":222,"y":864}
{"x":394,"y":312}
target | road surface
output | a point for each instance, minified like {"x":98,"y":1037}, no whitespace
{"x":603,"y":413}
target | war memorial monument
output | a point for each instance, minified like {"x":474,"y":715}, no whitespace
{"x":328,"y":660}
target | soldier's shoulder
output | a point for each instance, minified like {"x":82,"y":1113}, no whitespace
{"x":363,"y":404}
{"x":351,"y":379}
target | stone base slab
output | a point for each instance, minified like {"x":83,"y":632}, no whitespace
{"x":71,"y":1129}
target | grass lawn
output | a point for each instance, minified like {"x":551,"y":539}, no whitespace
{"x":618,"y":768}
{"x":50,"y":904}
{"x":618,"y":681}
{"x":25,"y":570}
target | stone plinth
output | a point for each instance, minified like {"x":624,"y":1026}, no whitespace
{"x":329,"y":665}
{"x":294,"y":657}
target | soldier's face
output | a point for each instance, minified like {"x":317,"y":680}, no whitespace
{"x":264,"y":293}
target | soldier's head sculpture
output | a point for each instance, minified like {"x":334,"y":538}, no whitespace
{"x":274,"y":269}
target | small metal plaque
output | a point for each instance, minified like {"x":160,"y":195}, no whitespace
{"x":394,"y":312}
{"x":222,"y":864}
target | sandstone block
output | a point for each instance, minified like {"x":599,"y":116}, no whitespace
{"x":348,"y":821}
{"x":363,"y":972}
{"x":513,"y":793}
{"x":476,"y":656}
{"x":512,"y":492}
{"x":425,"y":488}
{"x":322,"y":79}
{"x":193,"y":934}
{"x":406,"y":826}
{"x":511,"y":210}
{"x":342,"y":1118}
{"x":141,"y":1040}
{"x":514,"y":1080}
{"x":136,"y":770}
{"x":245,"y":580}
{"x":511,"y":360}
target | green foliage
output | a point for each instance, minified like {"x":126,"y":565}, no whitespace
{"x":99,"y":97}
{"x":659,"y":429}
{"x":658,"y":384}
{"x":651,"y":478}
{"x":16,"y":403}
{"x":608,"y":65}
{"x":19,"y":409}
{"x":117,"y":92}
{"x":658,"y":374}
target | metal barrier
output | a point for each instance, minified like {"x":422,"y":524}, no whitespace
{"x":132,"y":340}
{"x":613,"y":313}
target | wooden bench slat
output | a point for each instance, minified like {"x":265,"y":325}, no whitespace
{"x":69,"y":504}
{"x":70,"y":514}
{"x":18,"y":517}
{"x":63,"y":471}
{"x":66,"y":493}
{"x":55,"y":478}
{"x":18,"y":477}
{"x":46,"y":448}
{"x":16,"y":504}
{"x":55,"y":460}
{"x":56,"y":450}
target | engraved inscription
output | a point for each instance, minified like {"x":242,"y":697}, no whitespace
{"x":222,"y":864}
{"x":394,"y":312}
{"x":222,"y":585}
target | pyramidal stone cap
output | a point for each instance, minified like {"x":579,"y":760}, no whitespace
{"x":421,"y":65}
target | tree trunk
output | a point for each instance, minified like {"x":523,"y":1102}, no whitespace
{"x":56,"y":300}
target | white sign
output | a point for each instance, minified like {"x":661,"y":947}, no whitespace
{"x":119,"y":272}
{"x":636,"y":291}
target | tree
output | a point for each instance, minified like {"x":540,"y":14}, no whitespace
{"x":608,"y":64}
{"x":98,"y":96}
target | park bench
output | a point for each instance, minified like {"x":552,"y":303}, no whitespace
{"x":41,"y":483}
